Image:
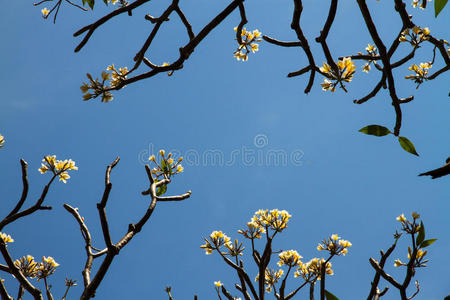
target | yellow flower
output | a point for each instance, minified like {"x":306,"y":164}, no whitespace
{"x":64,"y":176}
{"x":421,"y":253}
{"x":180,"y":168}
{"x":402,"y":38}
{"x":105,"y":76}
{"x":325,"y":68}
{"x":6,"y":237}
{"x":345,"y":244}
{"x":208,"y":248}
{"x":415,"y":215}
{"x":45,"y":12}
{"x":162,"y":152}
{"x":46,"y":268}
{"x":218,"y":283}
{"x":27,"y":266}
{"x":254,"y":47}
{"x":425,"y":65}
{"x":2,"y":140}
{"x":334,"y":237}
{"x":247,"y":44}
{"x":289,"y":258}
{"x":43,"y":169}
{"x":50,"y":159}
{"x":50,"y":261}
{"x":370,"y":48}
{"x":416,"y":29}
{"x":398,"y":263}
{"x":71,"y":165}
{"x":170,"y":161}
{"x":151,"y":158}
{"x":366,"y":68}
{"x":401,"y":218}
{"x":328,"y":85}
{"x":60,"y":165}
{"x":256,"y":33}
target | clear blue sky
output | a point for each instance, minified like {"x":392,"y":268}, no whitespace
{"x":346,"y":183}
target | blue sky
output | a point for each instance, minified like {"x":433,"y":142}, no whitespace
{"x":344,"y":182}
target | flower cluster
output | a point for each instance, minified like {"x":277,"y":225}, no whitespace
{"x":420,"y":243}
{"x":335,"y":245}
{"x":98,"y":88}
{"x":421,"y":73}
{"x":216,"y":240}
{"x":168,"y":166}
{"x":290,"y":258}
{"x":311,"y":270}
{"x":253,"y":231}
{"x":46,"y":268}
{"x":27,"y":266}
{"x":57,"y":167}
{"x":419,"y":3}
{"x":419,"y":260}
{"x":274,"y":219}
{"x":6,"y":238}
{"x":117,"y":76}
{"x":343,"y":72}
{"x":372,"y":51}
{"x":271,"y":277}
{"x":415,"y":36}
{"x":32,"y":269}
{"x":70,"y":282}
{"x":248,"y":43}
{"x":408,"y":226}
{"x":2,"y":140}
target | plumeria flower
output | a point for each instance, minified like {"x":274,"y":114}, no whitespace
{"x":45,"y":12}
{"x":47,"y":267}
{"x":289,"y":258}
{"x":249,"y":44}
{"x":6,"y":238}
{"x":421,"y":73}
{"x":168,"y":166}
{"x":27,"y":266}
{"x":343,"y":72}
{"x":57,"y":167}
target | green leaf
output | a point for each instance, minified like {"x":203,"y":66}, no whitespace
{"x":427,"y":243}
{"x":164,"y":166}
{"x":161,"y":190}
{"x":330,"y":296}
{"x":376,"y":130}
{"x":91,"y":3}
{"x":421,"y":235}
{"x":407,"y":145}
{"x":438,"y":6}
